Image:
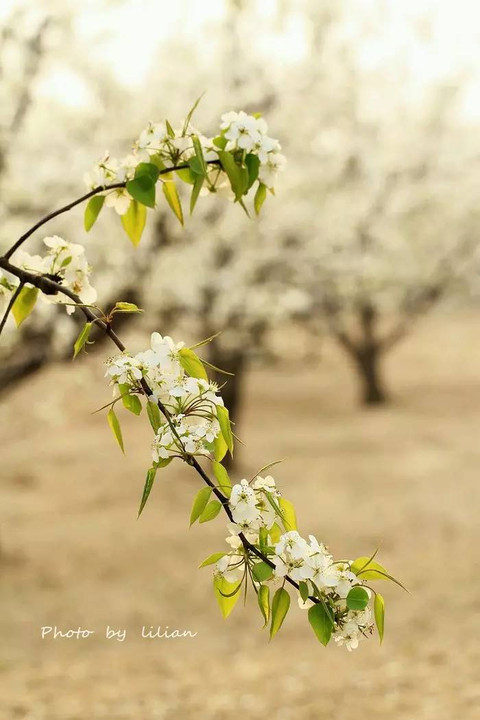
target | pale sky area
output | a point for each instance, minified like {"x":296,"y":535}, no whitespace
{"x":436,"y":39}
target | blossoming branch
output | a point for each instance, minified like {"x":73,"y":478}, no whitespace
{"x":169,"y":381}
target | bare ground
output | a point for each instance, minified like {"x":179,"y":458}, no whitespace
{"x":404,"y":477}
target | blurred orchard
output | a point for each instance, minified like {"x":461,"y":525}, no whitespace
{"x":375,"y":220}
{"x":373,"y":227}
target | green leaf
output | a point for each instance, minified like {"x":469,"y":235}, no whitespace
{"x":186,"y":175}
{"x":199,"y":503}
{"x":222,"y":588}
{"x":235,"y":590}
{"x":195,"y":167}
{"x":130,"y":401}
{"x":199,"y":155}
{"x":379,"y":612}
{"x":24,"y":304}
{"x":170,"y":130}
{"x":263,"y":598}
{"x":126,"y":307}
{"x":211,"y":511}
{"x":163,"y":462}
{"x":220,"y":447}
{"x":262,"y":571}
{"x":115,"y":428}
{"x":220,"y":141}
{"x":221,"y":475}
{"x":212,"y":559}
{"x":217,"y":369}
{"x":196,"y":192}
{"x":147,"y":487}
{"x":357,"y":599}
{"x":171,"y":194}
{"x":253,"y":164}
{"x":303,"y":590}
{"x":225,"y":426}
{"x":288,"y":513}
{"x":157,"y":160}
{"x":192,"y":364}
{"x":82,"y":339}
{"x":280,"y":605}
{"x":263,"y":539}
{"x":275,"y":533}
{"x":260,"y":197}
{"x":150,"y":170}
{"x":321,"y":623}
{"x":237,"y":175}
{"x":154,"y":415}
{"x":134,"y":220}
{"x":142,"y":189}
{"x":190,"y":113}
{"x":244,"y":207}
{"x":92,"y":211}
{"x":367,"y":569}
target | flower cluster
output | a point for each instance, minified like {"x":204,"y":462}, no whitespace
{"x":258,"y":515}
{"x":249,"y":133}
{"x":191,"y":402}
{"x":311,"y":563}
{"x":165,"y":146}
{"x":253,"y":505}
{"x":193,"y":435}
{"x":65,"y":263}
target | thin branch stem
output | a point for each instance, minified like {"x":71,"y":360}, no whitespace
{"x":55,"y":214}
{"x":10,"y":305}
{"x":51,"y":287}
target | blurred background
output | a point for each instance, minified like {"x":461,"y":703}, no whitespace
{"x":349,"y":315}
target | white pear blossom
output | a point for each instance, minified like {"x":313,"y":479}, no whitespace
{"x":340,"y":577}
{"x":242,"y":132}
{"x":231,"y":568}
{"x":234,"y":541}
{"x":105,"y":172}
{"x":166,"y":351}
{"x":118,"y":199}
{"x":62,"y":249}
{"x":153,"y":137}
{"x":353,"y":627}
{"x":275,"y":162}
{"x":250,"y":507}
{"x":65,"y":263}
{"x":293,"y":544}
{"x":267,"y":484}
{"x":123,"y":369}
{"x":265,"y":145}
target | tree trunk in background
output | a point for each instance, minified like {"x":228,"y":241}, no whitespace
{"x":368,"y":353}
{"x":368,"y":363}
{"x":233,"y":362}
